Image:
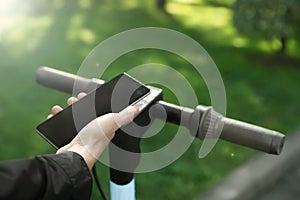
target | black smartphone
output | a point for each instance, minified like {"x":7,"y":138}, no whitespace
{"x":112,"y":96}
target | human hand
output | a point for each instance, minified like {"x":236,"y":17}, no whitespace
{"x":91,"y":141}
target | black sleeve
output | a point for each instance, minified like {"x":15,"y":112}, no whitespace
{"x":61,"y":176}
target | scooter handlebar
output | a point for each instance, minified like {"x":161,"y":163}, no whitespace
{"x":63,"y":81}
{"x":204,"y":121}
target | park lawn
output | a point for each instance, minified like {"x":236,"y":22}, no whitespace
{"x":60,"y":34}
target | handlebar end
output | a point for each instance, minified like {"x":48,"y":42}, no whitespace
{"x":277,"y":143}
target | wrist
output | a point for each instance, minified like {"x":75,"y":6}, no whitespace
{"x":82,"y":151}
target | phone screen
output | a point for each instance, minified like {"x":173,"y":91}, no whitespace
{"x":113,"y":96}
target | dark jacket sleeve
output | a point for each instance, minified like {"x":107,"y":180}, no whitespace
{"x":57,"y":176}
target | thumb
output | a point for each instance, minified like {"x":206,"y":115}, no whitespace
{"x":125,"y":116}
{"x":113,"y":121}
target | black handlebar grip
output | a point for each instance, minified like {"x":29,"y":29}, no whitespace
{"x":252,"y":136}
{"x":214,"y":125}
{"x":64,"y":81}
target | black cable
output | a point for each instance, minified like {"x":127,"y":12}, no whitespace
{"x":98,"y":183}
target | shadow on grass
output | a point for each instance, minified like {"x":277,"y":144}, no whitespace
{"x":274,"y":60}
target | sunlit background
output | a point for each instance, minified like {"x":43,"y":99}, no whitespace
{"x":262,"y":82}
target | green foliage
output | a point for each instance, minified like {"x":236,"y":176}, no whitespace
{"x":61,"y":33}
{"x":267,"y":18}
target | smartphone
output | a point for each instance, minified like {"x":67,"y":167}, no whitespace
{"x":112,"y":96}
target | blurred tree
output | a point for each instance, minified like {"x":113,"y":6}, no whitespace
{"x":161,"y":5}
{"x":271,"y":19}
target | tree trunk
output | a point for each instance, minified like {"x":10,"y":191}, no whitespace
{"x":283,"y":41}
{"x":161,"y":5}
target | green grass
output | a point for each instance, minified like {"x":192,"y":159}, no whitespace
{"x":60,"y":34}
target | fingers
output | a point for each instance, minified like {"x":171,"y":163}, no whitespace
{"x":71,"y":100}
{"x":56,"y":109}
{"x":49,"y":116}
{"x":81,"y":94}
